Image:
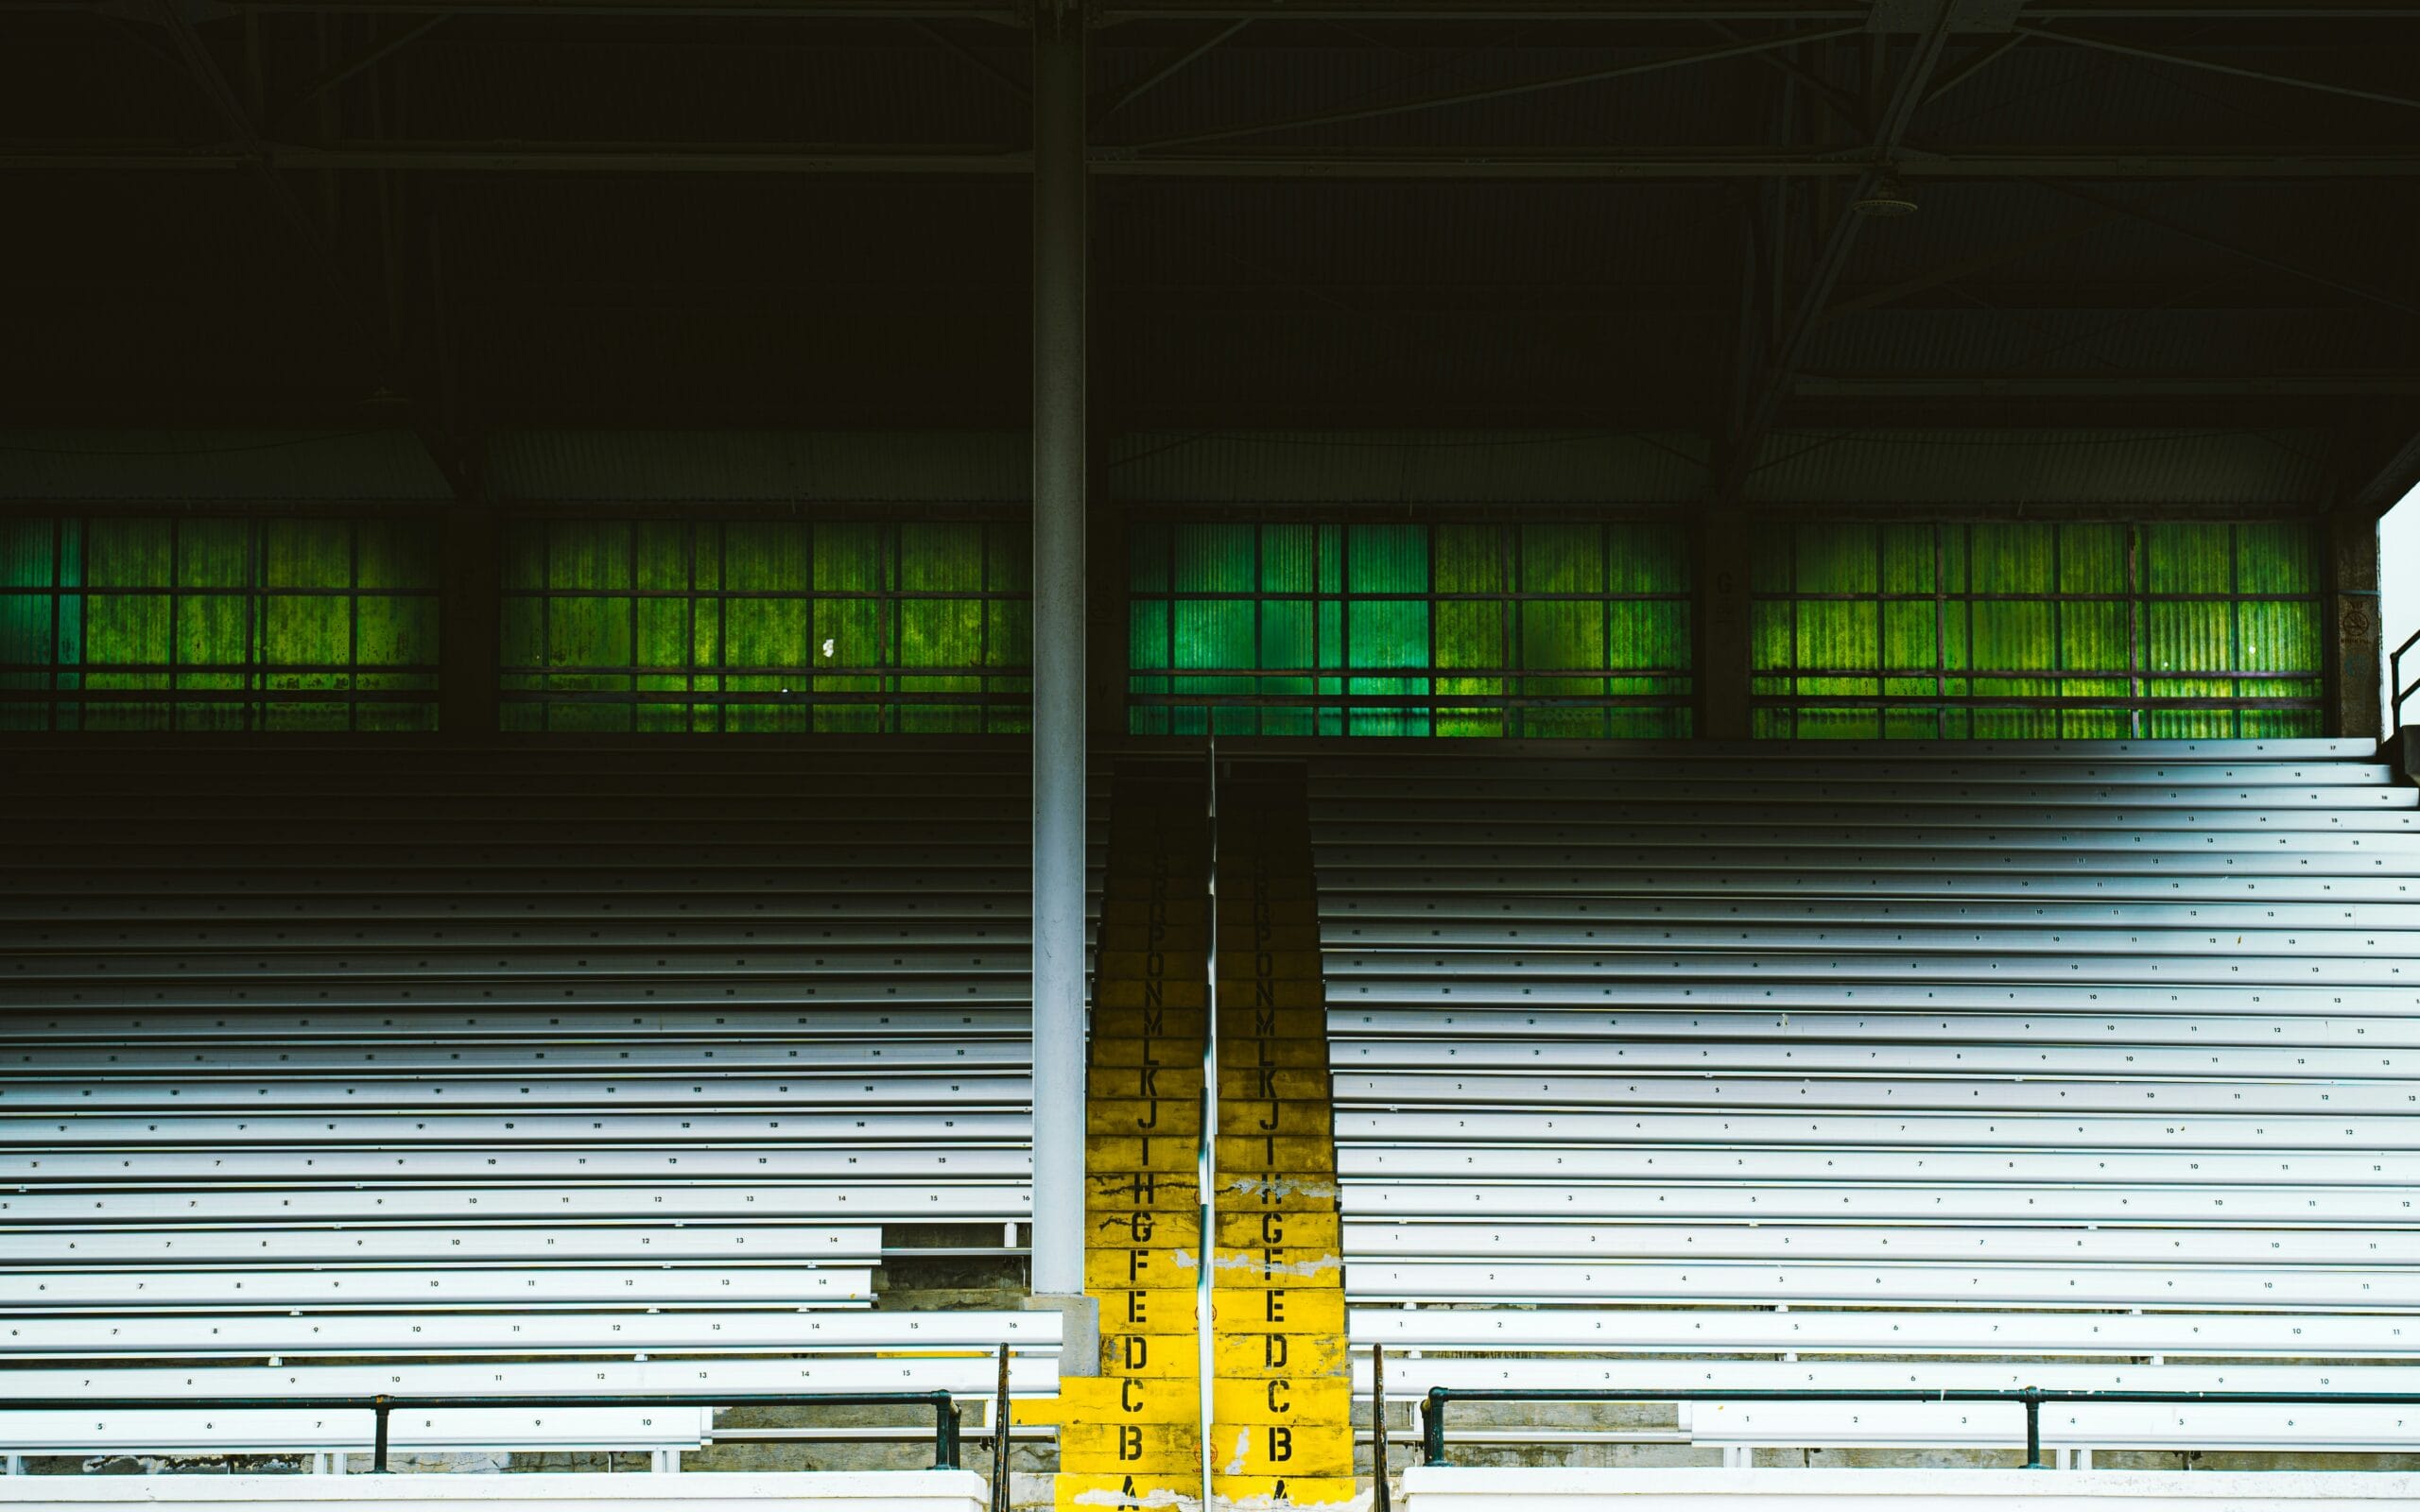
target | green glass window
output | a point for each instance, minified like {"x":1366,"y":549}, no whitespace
{"x":1517,"y":630}
{"x":218,"y":622}
{"x":879,"y":627}
{"x":2037,"y":630}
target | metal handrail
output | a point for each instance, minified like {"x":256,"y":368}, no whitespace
{"x":2395,"y":678}
{"x":1432,"y":1407}
{"x":944,"y":1406}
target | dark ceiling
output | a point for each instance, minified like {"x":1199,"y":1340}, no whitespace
{"x":476,"y":214}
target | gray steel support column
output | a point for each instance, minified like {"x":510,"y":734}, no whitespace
{"x":1059,"y":465}
{"x":2355,"y":670}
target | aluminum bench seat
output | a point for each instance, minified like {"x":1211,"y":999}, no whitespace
{"x":2297,"y":1427}
{"x":421,"y":1334}
{"x":579,"y":1288}
{"x":209,"y":1432}
{"x":1808,"y":1332}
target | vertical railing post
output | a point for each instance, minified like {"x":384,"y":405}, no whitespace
{"x":1059,"y":468}
{"x":1432,"y":1427}
{"x":1384,"y":1498}
{"x":1000,"y":1438}
{"x":2032,"y":1429}
{"x":378,"y":1437}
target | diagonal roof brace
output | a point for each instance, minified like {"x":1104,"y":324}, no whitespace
{"x":1918,"y":17}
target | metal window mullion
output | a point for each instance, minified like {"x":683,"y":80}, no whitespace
{"x":2058,"y":627}
{"x":58,"y":601}
{"x":2235,"y":617}
{"x":2135,"y":690}
{"x":1940,"y":636}
{"x":689,"y":625}
{"x":1966,"y":555}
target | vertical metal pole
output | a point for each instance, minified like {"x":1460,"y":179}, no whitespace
{"x":2032,"y":1430}
{"x":1000,"y":1438}
{"x":1383,"y":1499}
{"x":378,"y":1439}
{"x":1059,"y":237}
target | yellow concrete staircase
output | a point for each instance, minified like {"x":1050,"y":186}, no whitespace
{"x":1280,"y":1400}
{"x":1132,"y":1437}
{"x":1281,"y":1430}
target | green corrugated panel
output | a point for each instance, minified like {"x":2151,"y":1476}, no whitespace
{"x":2048,"y":630}
{"x":753,"y":625}
{"x":1356,"y":616}
{"x":234,"y":622}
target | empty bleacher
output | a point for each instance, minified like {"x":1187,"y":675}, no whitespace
{"x":2074,"y":1067}
{"x":535,"y":1071}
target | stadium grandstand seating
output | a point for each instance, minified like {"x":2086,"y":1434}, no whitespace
{"x":573,"y":1071}
{"x":2079,"y":1068}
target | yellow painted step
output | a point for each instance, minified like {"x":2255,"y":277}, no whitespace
{"x":1135,"y":1191}
{"x":1296,"y":1267}
{"x":1259,"y":1492}
{"x":1106,"y":1152}
{"x":1292,"y":1355}
{"x":1152,"y":1082}
{"x":1238,"y":989}
{"x":1133,"y":1021}
{"x":1108,"y":1400}
{"x":1141,"y":1311}
{"x":1281,"y":1399}
{"x":1126,"y":1493}
{"x":1160,"y":1117}
{"x":1176,"y":992}
{"x":1273,"y":1311}
{"x":1290,"y":1083}
{"x":1276,"y":1191}
{"x":1156,"y":1269}
{"x":1244,"y":1052}
{"x":1156,"y":1356}
{"x":1265,"y":1449}
{"x":1260,"y":1116}
{"x":1142,"y":1227}
{"x":1241,"y":1019}
{"x":1243,"y":1154}
{"x":1145,"y":1448}
{"x":1318,"y":1230}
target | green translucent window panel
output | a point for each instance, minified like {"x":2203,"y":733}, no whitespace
{"x":686,"y":625}
{"x":1529,"y":630}
{"x":2016,"y":630}
{"x":218,"y":622}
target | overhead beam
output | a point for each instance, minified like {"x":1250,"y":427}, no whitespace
{"x":2212,"y":65}
{"x":1978,"y":163}
{"x":1534,"y":86}
{"x":1796,"y":336}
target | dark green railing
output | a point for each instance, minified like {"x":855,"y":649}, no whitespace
{"x":1432,"y":1407}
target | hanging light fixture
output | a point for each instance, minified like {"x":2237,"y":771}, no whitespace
{"x":1885,"y":198}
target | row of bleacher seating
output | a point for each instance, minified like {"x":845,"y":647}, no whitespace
{"x":539,"y":1071}
{"x":2085,"y":1067}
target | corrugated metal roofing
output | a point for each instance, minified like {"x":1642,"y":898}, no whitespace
{"x":854,"y":467}
{"x":1428,"y":466}
{"x":308,"y":465}
{"x":2284,"y":470}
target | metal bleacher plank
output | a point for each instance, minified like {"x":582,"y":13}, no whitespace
{"x":214,"y":1432}
{"x":1644,"y":1331}
{"x":2019,"y":1096}
{"x":2077,"y":1239}
{"x":2302,"y":1428}
{"x":971,"y":1372}
{"x":1910,"y":1053}
{"x":1647,"y":1374}
{"x":199,"y":1064}
{"x":864,"y":1197}
{"x":1922,"y":1284}
{"x":1476,"y":1027}
{"x":567,"y":1286}
{"x":803,"y":1090}
{"x":389,"y":1246}
{"x":203,"y":1167}
{"x":1515,"y":968}
{"x":376,"y":1130}
{"x":352,"y":992}
{"x":1958,"y":941}
{"x":1484,"y":1186}
{"x":577,"y":1333}
{"x":577,"y":1021}
{"x":1410,"y":1143}
{"x":1603,"y":1138}
{"x":1412,"y":988}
